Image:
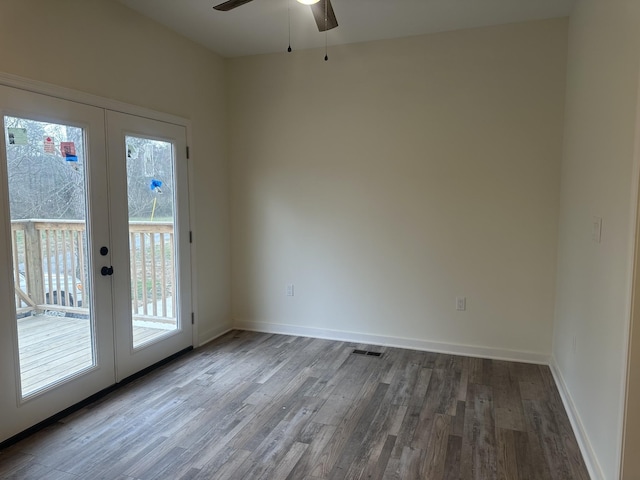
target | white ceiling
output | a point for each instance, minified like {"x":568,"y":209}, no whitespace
{"x":262,"y":25}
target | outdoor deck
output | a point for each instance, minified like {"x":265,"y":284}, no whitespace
{"x":55,"y":347}
{"x":53,"y":294}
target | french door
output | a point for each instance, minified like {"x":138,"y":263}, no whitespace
{"x":150,"y":240}
{"x":95,"y":252}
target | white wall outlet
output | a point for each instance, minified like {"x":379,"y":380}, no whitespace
{"x":574,"y":345}
{"x":596,"y":232}
{"x":461,"y":303}
{"x":290,"y":290}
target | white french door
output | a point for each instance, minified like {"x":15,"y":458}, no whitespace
{"x":94,"y":251}
{"x":150,"y":239}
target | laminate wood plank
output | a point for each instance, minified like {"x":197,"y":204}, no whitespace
{"x":164,"y":419}
{"x":392,"y":472}
{"x":128,"y":455}
{"x":210,"y":448}
{"x":334,"y":409}
{"x":116,"y":410}
{"x":530,"y":457}
{"x":509,"y":412}
{"x":10,"y":462}
{"x":222,"y":464}
{"x":160,"y":463}
{"x":434,"y":459}
{"x":288,"y":462}
{"x":252,"y":405}
{"x":445,"y":399}
{"x":410,"y":463}
{"x":317,"y":436}
{"x":329,"y":357}
{"x":452,"y":460}
{"x":565,"y":432}
{"x":275,"y":452}
{"x":480,"y":371}
{"x":478,"y":458}
{"x":84,"y":462}
{"x":464,"y":379}
{"x":398,"y":361}
{"x":447,"y":361}
{"x":357,"y":370}
{"x":442,"y":398}
{"x":271,"y":358}
{"x":299,"y":353}
{"x":531,"y":384}
{"x":334,"y":448}
{"x":403,"y":386}
{"x":228,"y":469}
{"x":367,"y":439}
{"x":421,"y":386}
{"x":396,"y":418}
{"x":407,"y":430}
{"x":298,"y":359}
{"x":36,"y":471}
{"x":375,"y":468}
{"x":542,"y":421}
{"x":357,"y":443}
{"x":348,"y":377}
{"x":279,"y":411}
{"x":49,"y":439}
{"x":507,"y":457}
{"x":457,"y":427}
{"x":190,"y":474}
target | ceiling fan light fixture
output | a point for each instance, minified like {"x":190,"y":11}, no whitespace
{"x":308,"y":2}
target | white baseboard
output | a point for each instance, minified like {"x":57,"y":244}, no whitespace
{"x":590,"y":459}
{"x":399,"y":342}
{"x":211,"y":335}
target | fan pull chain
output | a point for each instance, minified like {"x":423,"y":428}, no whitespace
{"x":289,"y":12}
{"x":326,"y":22}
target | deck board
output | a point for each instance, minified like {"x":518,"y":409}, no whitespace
{"x":54,"y":347}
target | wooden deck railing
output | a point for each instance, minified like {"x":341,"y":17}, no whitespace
{"x":152,"y":272}
{"x":51,"y":270}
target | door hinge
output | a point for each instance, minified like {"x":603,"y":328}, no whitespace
{"x":193,"y":318}
{"x":187,"y":152}
{"x":190,"y":236}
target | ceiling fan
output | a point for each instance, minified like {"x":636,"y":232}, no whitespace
{"x":320,"y":8}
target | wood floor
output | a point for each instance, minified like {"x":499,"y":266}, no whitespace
{"x":259,"y":406}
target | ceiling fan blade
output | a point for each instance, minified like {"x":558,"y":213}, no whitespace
{"x":318,"y":10}
{"x":230,"y":5}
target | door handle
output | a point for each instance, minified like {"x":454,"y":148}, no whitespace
{"x":105,"y":271}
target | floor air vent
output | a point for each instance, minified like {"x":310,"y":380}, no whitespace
{"x":367,"y":353}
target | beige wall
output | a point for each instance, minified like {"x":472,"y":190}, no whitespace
{"x":399,"y":175}
{"x":104,"y":48}
{"x":598,"y":179}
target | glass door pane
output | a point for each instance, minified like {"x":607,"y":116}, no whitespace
{"x":150,"y":194}
{"x":47,"y":202}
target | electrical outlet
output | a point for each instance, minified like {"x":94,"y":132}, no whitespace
{"x":461,"y":304}
{"x":574,"y":345}
{"x":290,"y":290}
